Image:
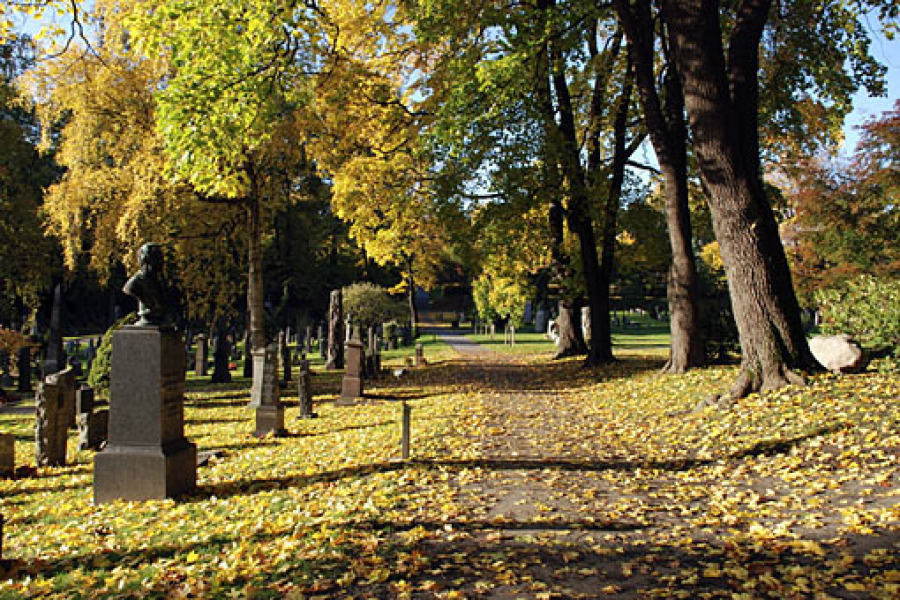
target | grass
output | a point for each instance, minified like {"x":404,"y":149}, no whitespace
{"x":649,"y":336}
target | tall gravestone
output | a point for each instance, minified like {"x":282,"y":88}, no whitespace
{"x":24,"y":365}
{"x":285,"y":351}
{"x":352,"y":383}
{"x":304,"y":391}
{"x":335,"y":350}
{"x":265,"y":393}
{"x":55,"y":359}
{"x":221,"y":369}
{"x":201,"y":360}
{"x":147,"y":456}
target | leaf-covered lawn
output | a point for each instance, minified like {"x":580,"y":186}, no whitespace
{"x":529,"y":479}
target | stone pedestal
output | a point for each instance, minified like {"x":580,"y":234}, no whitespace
{"x":7,"y":454}
{"x":265,"y":393}
{"x":352,"y":384}
{"x":147,"y":456}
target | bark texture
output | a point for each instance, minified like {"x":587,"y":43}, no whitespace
{"x":664,"y":116}
{"x":721,"y":100}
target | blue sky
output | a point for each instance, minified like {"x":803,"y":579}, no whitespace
{"x":864,"y":107}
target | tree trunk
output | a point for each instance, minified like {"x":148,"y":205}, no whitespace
{"x":668,"y":133}
{"x":578,"y":217}
{"x":571,"y":338}
{"x":765,"y":307}
{"x":568,"y":322}
{"x":255,"y":289}
{"x":335,"y":350}
{"x":413,"y":310}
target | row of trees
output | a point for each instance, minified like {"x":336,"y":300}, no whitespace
{"x":501,"y":134}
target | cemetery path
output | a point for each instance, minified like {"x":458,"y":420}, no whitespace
{"x":459,"y":342}
{"x":562,"y":502}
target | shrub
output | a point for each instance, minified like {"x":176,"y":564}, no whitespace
{"x":98,"y":378}
{"x":369,"y":305}
{"x":867,"y":309}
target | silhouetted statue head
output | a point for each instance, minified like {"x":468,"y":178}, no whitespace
{"x":147,"y":286}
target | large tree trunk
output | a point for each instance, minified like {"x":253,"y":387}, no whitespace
{"x":720,"y":97}
{"x":568,"y":323}
{"x":571,"y":338}
{"x":668,"y":133}
{"x":578,"y":217}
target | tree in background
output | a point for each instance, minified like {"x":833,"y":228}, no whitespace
{"x":845,"y":216}
{"x":26,"y":256}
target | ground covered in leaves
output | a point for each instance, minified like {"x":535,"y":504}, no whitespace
{"x":529,"y":479}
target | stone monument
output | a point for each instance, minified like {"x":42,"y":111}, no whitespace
{"x":147,"y":456}
{"x":352,"y":383}
{"x":265,"y":393}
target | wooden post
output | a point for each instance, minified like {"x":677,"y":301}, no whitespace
{"x":404,"y":437}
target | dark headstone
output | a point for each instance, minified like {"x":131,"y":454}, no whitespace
{"x":147,"y":456}
{"x":248,"y":355}
{"x":7,"y":454}
{"x":84,"y":400}
{"x":221,"y":369}
{"x":201,"y":358}
{"x":323,"y":343}
{"x":93,"y":429}
{"x":304,"y":391}
{"x":51,"y":426}
{"x":335,"y":351}
{"x":265,"y":393}
{"x":24,"y":364}
{"x":6,"y":379}
{"x":352,"y":383}
{"x":285,"y":356}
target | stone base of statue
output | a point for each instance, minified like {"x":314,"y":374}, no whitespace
{"x":147,"y":456}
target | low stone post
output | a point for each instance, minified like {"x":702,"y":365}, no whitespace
{"x":420,"y":355}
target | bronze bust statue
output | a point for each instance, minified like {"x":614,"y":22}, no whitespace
{"x":147,"y":286}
